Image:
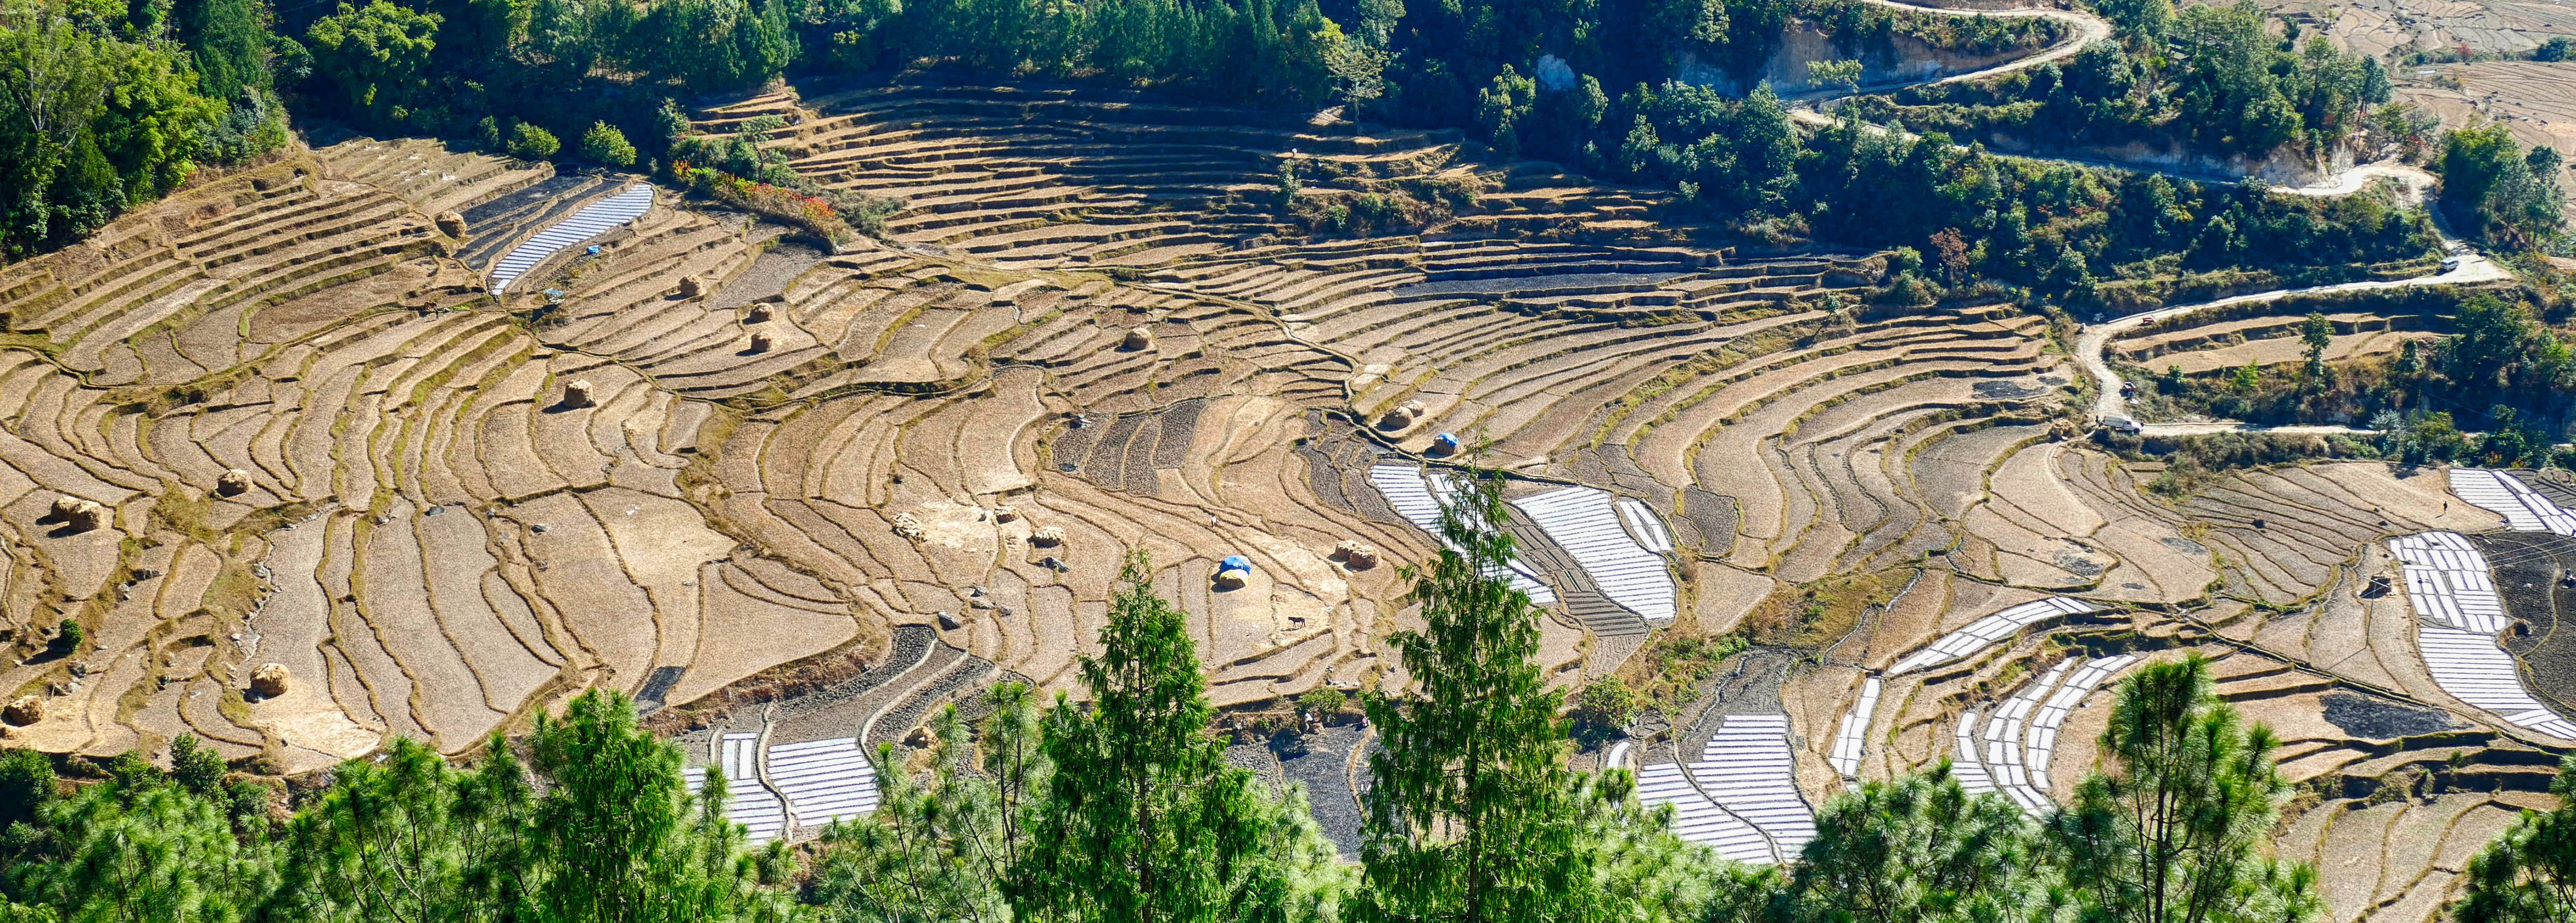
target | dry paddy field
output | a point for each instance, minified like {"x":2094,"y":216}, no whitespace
{"x":721,"y":470}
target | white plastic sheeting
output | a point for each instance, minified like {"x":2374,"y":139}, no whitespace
{"x":1583,"y":521}
{"x":747,"y":802}
{"x":2040,"y":745}
{"x":1699,"y":820}
{"x":1851,"y":740}
{"x":2523,"y":509}
{"x":1645,"y":525}
{"x":1747,"y":769}
{"x":1988,"y":630}
{"x":2009,"y":750}
{"x":2003,"y":740}
{"x":2473,"y":669}
{"x":1411,"y":496}
{"x":2448,"y":581}
{"x":824,"y":780}
{"x":591,"y":221}
{"x":2454,"y":598}
{"x":1967,"y":767}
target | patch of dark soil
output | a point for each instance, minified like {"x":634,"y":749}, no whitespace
{"x":767,"y":277}
{"x":1712,"y":515}
{"x":1324,"y":769}
{"x":2184,"y":545}
{"x":2008,"y":389}
{"x":2380,"y":719}
{"x":2556,"y":488}
{"x":2531,"y":569}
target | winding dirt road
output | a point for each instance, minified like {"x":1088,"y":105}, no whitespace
{"x":2415,"y":184}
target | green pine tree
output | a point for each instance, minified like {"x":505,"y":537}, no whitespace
{"x":2528,"y":875}
{"x":1474,"y":816}
{"x":939,"y":849}
{"x":1145,"y":822}
{"x":2174,"y":832}
{"x":1919,"y":848}
{"x":617,"y":837}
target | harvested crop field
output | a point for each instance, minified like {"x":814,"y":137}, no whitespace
{"x":318,"y":442}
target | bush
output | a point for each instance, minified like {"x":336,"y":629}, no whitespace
{"x":603,"y":143}
{"x":67,"y":637}
{"x":1325,"y":702}
{"x":528,"y":142}
{"x":1603,"y":708}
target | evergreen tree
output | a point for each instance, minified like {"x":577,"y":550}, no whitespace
{"x":1145,"y":822}
{"x":940,"y":849}
{"x":614,"y":835}
{"x":2173,"y":833}
{"x":2315,"y":333}
{"x":1474,"y":816}
{"x":409,"y":839}
{"x":147,"y":851}
{"x":1919,"y":848}
{"x":2528,"y":875}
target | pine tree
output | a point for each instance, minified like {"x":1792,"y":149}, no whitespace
{"x":2172,"y":833}
{"x":939,"y":849}
{"x":615,"y":836}
{"x":409,"y":839}
{"x":1474,"y":816}
{"x":2528,"y":875}
{"x":147,"y":851}
{"x":1145,"y":822}
{"x":1920,"y":848}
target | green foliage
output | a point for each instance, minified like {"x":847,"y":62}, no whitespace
{"x":603,"y":143}
{"x":227,"y":43}
{"x":1473,"y":811}
{"x":2315,"y":334}
{"x":2528,"y":874}
{"x":940,"y":848}
{"x":372,"y":64}
{"x":68,"y":636}
{"x":94,"y":119}
{"x":2174,"y":833}
{"x":1603,"y":707}
{"x":155,"y":852}
{"x":453,"y":840}
{"x":1159,"y":827}
{"x":1918,"y":848}
{"x":529,"y":142}
{"x":2499,"y":191}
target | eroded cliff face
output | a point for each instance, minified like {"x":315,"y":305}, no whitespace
{"x":1902,"y":59}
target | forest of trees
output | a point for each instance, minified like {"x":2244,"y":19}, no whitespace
{"x":104,"y":104}
{"x":2504,"y":371}
{"x":600,"y":82}
{"x":1119,"y":807}
{"x":2211,"y":78}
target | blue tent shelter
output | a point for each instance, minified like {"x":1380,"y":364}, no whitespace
{"x":1234,"y":562}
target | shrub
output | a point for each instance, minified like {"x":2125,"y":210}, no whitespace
{"x":67,"y":637}
{"x":603,"y":143}
{"x":528,"y":142}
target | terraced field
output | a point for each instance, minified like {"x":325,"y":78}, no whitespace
{"x":791,"y":499}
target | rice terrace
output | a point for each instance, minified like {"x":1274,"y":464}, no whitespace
{"x":1877,"y":401}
